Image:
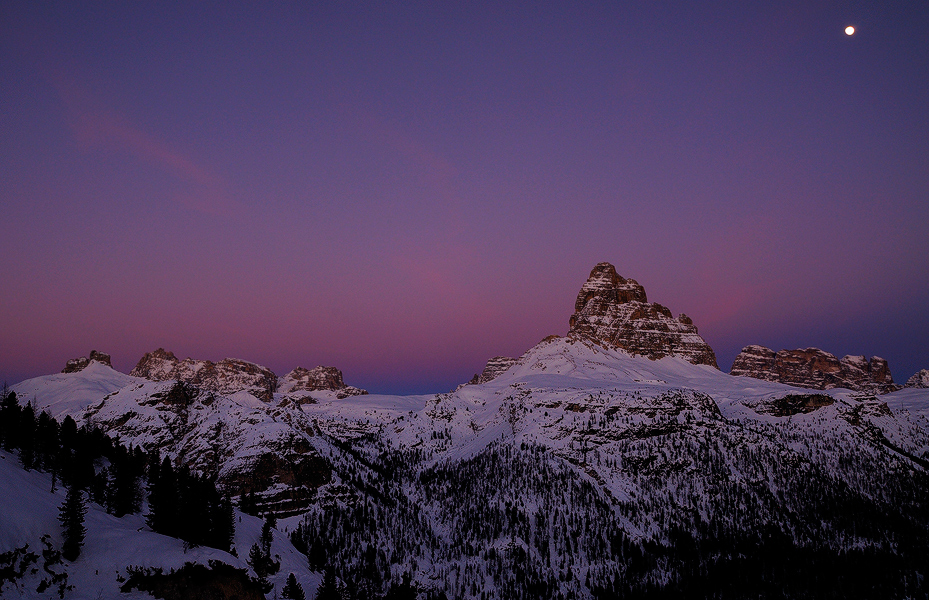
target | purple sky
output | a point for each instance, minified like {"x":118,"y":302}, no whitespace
{"x":405,"y":191}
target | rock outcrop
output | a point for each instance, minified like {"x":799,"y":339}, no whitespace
{"x":494,"y":367}
{"x":318,"y":379}
{"x":814,"y":369}
{"x":78,"y":364}
{"x":228,"y":376}
{"x":613,"y":311}
{"x":919,"y":380}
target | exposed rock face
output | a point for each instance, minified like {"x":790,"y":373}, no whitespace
{"x":156,"y":366}
{"x":815,"y":369}
{"x":250,"y":447}
{"x":78,"y":364}
{"x":493,"y":368}
{"x":228,"y":376}
{"x":317,"y":379}
{"x":793,"y":404}
{"x":871,"y":374}
{"x":919,"y":380}
{"x":614,"y":311}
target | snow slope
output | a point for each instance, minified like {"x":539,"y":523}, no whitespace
{"x":30,"y":511}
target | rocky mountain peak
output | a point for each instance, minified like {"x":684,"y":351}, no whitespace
{"x":919,"y":380}
{"x":611,"y":310}
{"x":156,"y":366}
{"x":814,"y":368}
{"x":78,"y":364}
{"x":605,"y":286}
{"x":494,"y":367}
{"x":318,"y":379}
{"x":228,"y":376}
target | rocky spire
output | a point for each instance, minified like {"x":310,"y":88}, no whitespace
{"x":613,"y":311}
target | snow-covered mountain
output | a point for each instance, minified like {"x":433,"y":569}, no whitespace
{"x":580,"y":469}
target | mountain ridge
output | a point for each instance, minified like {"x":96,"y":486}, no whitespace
{"x":582,"y":467}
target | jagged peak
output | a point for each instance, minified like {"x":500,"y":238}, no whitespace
{"x":79,"y":364}
{"x":814,"y":368}
{"x":318,"y":378}
{"x":919,"y":380}
{"x":614,"y":311}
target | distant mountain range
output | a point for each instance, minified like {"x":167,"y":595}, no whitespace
{"x":615,"y":461}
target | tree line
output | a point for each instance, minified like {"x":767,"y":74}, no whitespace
{"x":89,"y":463}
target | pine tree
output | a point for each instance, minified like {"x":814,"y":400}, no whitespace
{"x":259,"y":557}
{"x":248,"y":503}
{"x":267,"y":536}
{"x":329,"y":589}
{"x":259,"y":563}
{"x":403,"y":591}
{"x":26,"y":434}
{"x":71,"y":516}
{"x":47,"y":444}
{"x":9,"y":420}
{"x":293,"y":590}
{"x":163,"y":501}
{"x":68,"y":438}
{"x":267,"y":533}
{"x":222,"y":522}
{"x":124,"y":493}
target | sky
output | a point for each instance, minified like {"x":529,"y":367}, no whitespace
{"x":406,"y":189}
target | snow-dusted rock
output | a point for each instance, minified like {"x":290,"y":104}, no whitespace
{"x":614,"y":311}
{"x":228,"y":376}
{"x":919,"y":380}
{"x":814,"y":369}
{"x":248,"y":444}
{"x":78,"y":364}
{"x":318,"y":379}
{"x":494,"y":367}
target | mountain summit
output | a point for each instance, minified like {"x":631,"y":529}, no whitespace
{"x":613,"y":311}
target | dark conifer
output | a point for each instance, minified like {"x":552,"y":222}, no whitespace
{"x":26,"y":434}
{"x":267,"y":533}
{"x":402,"y":591}
{"x":248,"y":503}
{"x":259,"y":563}
{"x":222,"y":534}
{"x":68,"y":440}
{"x":124,"y":497}
{"x":162,"y":501}
{"x":293,"y":590}
{"x":47,"y":443}
{"x":9,"y":420}
{"x":329,"y":589}
{"x":71,"y":516}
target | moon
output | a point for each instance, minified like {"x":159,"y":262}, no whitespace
{"x":849,"y":30}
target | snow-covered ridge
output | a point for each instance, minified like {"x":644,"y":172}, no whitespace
{"x":635,"y":433}
{"x":561,"y":459}
{"x":232,"y":375}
